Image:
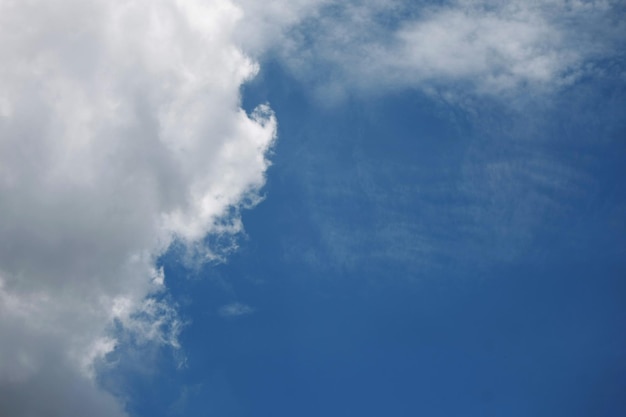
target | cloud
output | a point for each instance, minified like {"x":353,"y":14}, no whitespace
{"x":235,"y":310}
{"x":120,"y":132}
{"x":479,"y":46}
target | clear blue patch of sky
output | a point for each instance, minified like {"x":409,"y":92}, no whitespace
{"x":415,"y":257}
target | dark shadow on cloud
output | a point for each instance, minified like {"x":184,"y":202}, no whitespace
{"x":55,"y":390}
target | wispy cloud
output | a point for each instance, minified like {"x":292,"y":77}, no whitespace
{"x":479,"y":46}
{"x":121,"y":132}
{"x":235,"y":310}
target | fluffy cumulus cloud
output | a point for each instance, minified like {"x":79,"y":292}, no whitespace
{"x":120,"y":132}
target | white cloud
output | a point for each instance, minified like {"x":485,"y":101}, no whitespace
{"x":120,"y":131}
{"x":497,"y":48}
{"x":267,"y":25}
{"x":482,"y":46}
{"x":235,"y":310}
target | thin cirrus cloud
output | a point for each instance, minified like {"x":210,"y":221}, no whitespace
{"x":235,"y":310}
{"x":481,"y":46}
{"x":121,"y":132}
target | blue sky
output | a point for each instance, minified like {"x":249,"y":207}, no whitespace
{"x":390,"y":271}
{"x":311,"y":208}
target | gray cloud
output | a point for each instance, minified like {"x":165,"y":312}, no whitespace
{"x":120,"y":132}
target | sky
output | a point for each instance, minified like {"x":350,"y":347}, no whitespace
{"x":312,"y":208}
